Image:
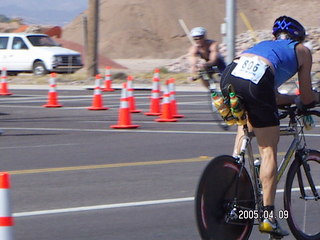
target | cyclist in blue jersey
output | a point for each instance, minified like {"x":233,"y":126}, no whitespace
{"x":208,"y":51}
{"x":255,"y":75}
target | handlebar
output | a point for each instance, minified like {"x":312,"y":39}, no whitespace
{"x":292,"y":111}
{"x":205,"y":73}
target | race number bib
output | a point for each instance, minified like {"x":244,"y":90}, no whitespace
{"x":250,"y":68}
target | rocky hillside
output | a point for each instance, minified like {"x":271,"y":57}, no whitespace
{"x":150,"y":28}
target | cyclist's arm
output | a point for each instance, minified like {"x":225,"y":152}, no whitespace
{"x":308,"y":97}
{"x":304,"y":74}
{"x":193,"y":59}
{"x":284,"y":99}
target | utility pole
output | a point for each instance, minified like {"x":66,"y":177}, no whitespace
{"x":92,"y":38}
{"x":231,"y":29}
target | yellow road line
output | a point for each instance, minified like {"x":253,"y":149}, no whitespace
{"x":111,"y":165}
{"x":115,"y":165}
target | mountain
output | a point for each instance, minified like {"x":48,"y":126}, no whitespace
{"x":44,"y":12}
{"x":150,"y":28}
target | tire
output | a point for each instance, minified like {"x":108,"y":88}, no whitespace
{"x":216,"y":189}
{"x":303,"y":215}
{"x":39,"y":68}
{"x":12,"y":73}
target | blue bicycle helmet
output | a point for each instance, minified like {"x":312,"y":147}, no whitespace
{"x":290,"y":26}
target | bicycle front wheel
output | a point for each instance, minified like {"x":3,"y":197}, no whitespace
{"x":216,"y":192}
{"x":301,"y":202}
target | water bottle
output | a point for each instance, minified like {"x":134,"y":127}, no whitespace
{"x":223,"y":109}
{"x":237,"y":109}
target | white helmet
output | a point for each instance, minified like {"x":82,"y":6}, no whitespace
{"x":198,"y":31}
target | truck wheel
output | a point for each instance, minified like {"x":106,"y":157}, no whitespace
{"x":39,"y":68}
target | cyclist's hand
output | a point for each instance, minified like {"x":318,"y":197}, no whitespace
{"x":301,"y":107}
{"x":194,"y":77}
{"x":204,"y":66}
{"x":308,"y":122}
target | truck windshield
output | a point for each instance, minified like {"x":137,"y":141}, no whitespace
{"x":42,"y":41}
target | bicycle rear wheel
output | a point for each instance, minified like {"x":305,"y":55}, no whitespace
{"x":303,"y":211}
{"x":215,"y":192}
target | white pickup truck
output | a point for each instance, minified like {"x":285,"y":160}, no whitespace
{"x":37,"y":53}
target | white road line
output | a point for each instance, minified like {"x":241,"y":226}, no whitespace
{"x":118,"y":131}
{"x":116,"y":205}
{"x":100,"y":207}
{"x":129,"y":131}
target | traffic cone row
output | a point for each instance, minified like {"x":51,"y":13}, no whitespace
{"x":4,"y":84}
{"x":6,"y":219}
{"x":52,"y":94}
{"x":167,"y":109}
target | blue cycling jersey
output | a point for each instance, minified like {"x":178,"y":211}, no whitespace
{"x":282,"y":55}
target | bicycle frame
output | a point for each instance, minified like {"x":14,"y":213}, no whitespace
{"x":239,"y":201}
{"x":246,"y":149}
{"x":296,"y":149}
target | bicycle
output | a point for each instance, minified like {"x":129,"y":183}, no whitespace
{"x":211,"y":77}
{"x":228,"y":199}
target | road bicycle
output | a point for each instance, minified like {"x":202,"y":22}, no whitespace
{"x":212,"y":76}
{"x":228,"y":199}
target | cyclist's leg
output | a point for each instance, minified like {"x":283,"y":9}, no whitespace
{"x":268,"y":139}
{"x":205,"y":83}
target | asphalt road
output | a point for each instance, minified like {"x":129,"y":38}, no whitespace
{"x":73,"y":177}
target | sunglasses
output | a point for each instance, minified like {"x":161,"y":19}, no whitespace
{"x":198,"y":38}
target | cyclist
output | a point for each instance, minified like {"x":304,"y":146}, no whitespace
{"x":208,"y":51}
{"x":255,"y":75}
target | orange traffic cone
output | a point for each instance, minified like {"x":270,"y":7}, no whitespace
{"x":52,"y":94}
{"x":6,"y":219}
{"x":155,"y":98}
{"x":156,"y":75}
{"x":166,"y":115}
{"x":107,"y":80}
{"x":97,"y":101}
{"x":297,"y":91}
{"x":124,"y":111}
{"x":173,"y":102}
{"x":4,"y":84}
{"x":131,"y":98}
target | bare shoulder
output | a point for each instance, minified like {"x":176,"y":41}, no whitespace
{"x":303,"y":50}
{"x":214,"y":45}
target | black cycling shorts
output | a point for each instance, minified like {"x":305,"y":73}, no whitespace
{"x":259,"y":99}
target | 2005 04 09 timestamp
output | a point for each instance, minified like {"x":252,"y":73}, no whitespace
{"x":254,"y":214}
